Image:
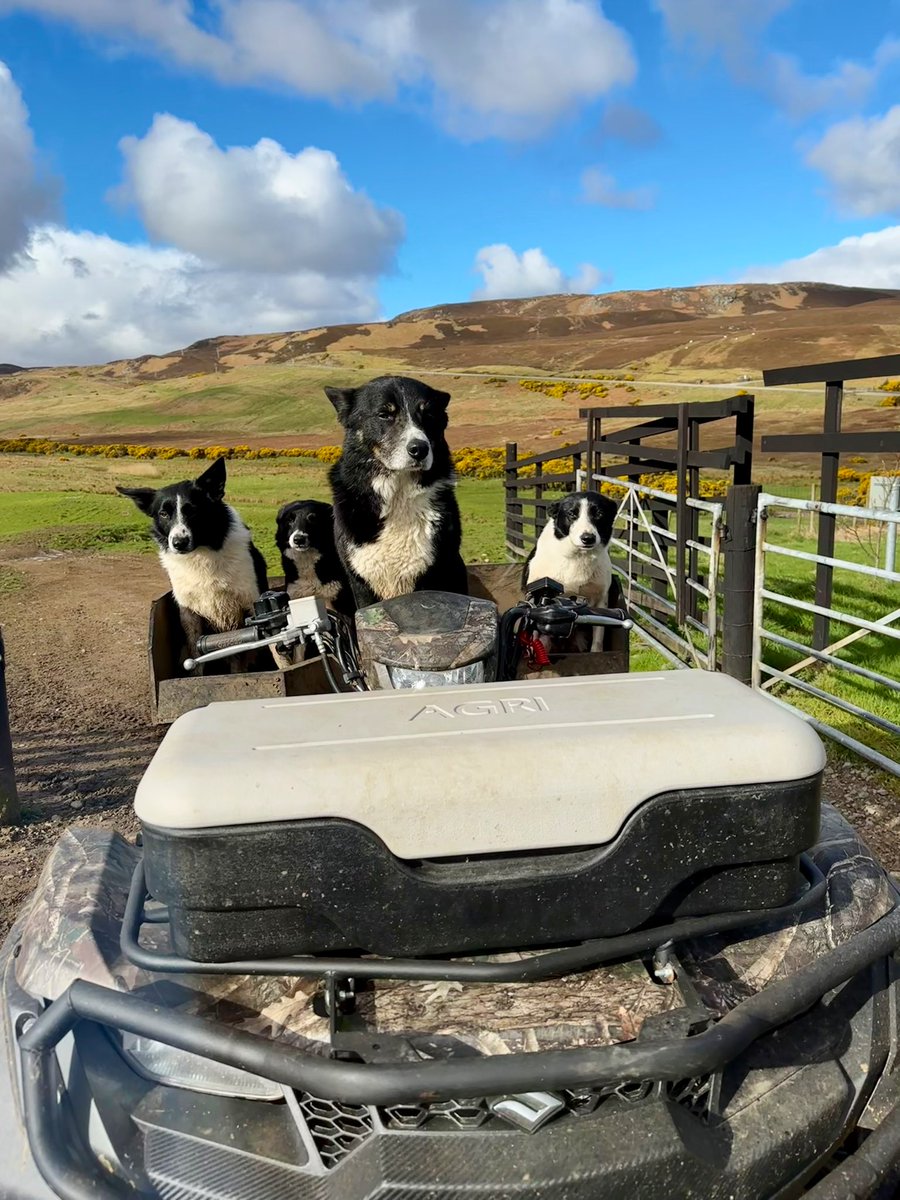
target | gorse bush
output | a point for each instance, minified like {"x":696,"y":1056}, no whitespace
{"x":22,"y":445}
{"x":857,"y":495}
{"x":710,"y":489}
{"x":473,"y":462}
{"x":588,"y":389}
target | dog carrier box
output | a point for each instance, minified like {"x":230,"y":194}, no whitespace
{"x":495,"y":815}
{"x":173,"y":692}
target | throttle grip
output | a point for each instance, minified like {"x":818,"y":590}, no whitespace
{"x":245,"y":636}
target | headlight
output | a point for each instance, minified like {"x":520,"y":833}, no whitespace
{"x":405,"y":677}
{"x":180,"y":1068}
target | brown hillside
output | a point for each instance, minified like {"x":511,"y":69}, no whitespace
{"x":717,"y":327}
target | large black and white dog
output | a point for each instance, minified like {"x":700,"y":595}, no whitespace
{"x":215,"y":571}
{"x":572,"y":549}
{"x":396,"y":518}
{"x":304,"y":535}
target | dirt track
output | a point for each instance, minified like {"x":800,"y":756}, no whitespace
{"x":76,"y":643}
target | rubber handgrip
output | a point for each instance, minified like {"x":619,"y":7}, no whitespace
{"x":223,"y":641}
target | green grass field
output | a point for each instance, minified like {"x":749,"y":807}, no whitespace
{"x":59,"y":503}
{"x":71,"y":504}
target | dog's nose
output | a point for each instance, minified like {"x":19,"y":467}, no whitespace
{"x":299,"y":541}
{"x":181,"y":542}
{"x":588,"y":539}
{"x":417,"y":449}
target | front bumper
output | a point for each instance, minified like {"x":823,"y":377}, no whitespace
{"x":751,"y":1108}
{"x":796,"y":1065}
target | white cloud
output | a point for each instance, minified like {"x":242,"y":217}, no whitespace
{"x":861,"y":160}
{"x":507,"y":275}
{"x":24,"y":197}
{"x":599,"y":187}
{"x":871,"y":260}
{"x":734,"y":28}
{"x":505,"y":67}
{"x":625,"y":123}
{"x":512,"y":67}
{"x":801,"y":95}
{"x":725,"y":27}
{"x":255,"y":208}
{"x":84,"y":297}
{"x":256,"y":240}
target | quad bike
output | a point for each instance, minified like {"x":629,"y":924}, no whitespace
{"x":460,"y":930}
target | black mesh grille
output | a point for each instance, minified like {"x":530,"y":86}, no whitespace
{"x":697,"y":1095}
{"x":694,"y":1094}
{"x":336,"y":1128}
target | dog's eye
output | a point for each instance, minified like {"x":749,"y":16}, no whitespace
{"x":165,"y":510}
{"x":386,"y":414}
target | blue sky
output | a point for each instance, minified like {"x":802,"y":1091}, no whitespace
{"x":174,"y":170}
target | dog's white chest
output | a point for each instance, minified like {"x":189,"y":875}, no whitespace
{"x":219,"y":585}
{"x":307,"y":582}
{"x":586,"y":573}
{"x":404,"y":549}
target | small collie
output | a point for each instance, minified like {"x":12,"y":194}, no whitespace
{"x":304,"y":535}
{"x":572,"y":549}
{"x":215,"y":571}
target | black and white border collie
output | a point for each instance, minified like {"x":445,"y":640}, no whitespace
{"x":215,"y":571}
{"x":396,"y":518}
{"x":304,"y":535}
{"x":572,"y":549}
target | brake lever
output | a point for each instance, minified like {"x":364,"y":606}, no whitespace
{"x":310,"y":620}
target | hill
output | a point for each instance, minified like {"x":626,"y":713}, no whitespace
{"x":267,"y":388}
{"x":745,"y":326}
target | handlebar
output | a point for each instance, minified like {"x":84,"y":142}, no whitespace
{"x":247,"y":636}
{"x":606,"y":616}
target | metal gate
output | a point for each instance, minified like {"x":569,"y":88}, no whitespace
{"x":768,"y":601}
{"x":670,"y":579}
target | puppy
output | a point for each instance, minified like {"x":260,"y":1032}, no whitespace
{"x":396,"y":519}
{"x":572,"y":549}
{"x":215,"y":571}
{"x":304,"y":535}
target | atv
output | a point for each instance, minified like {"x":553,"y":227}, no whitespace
{"x":466,"y":923}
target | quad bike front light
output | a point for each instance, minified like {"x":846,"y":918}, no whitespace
{"x":179,"y":1068}
{"x":406,"y":677}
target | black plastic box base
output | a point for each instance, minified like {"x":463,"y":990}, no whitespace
{"x":331,"y":886}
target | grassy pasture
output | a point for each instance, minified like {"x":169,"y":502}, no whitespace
{"x":60,"y":503}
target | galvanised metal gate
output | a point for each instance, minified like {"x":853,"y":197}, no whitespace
{"x":794,"y":677}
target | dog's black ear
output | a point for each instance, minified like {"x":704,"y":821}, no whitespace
{"x":284,"y":513}
{"x":343,"y":400}
{"x":143,"y":497}
{"x":553,"y":510}
{"x":212,"y":481}
{"x":441,"y":399}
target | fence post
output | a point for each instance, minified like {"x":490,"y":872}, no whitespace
{"x":739,"y":550}
{"x":9,"y":797}
{"x":514,"y":537}
{"x":834,"y":398}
